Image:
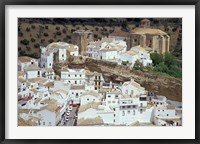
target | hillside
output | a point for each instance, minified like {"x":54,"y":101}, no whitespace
{"x":33,"y":33}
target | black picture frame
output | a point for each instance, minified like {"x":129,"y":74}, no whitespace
{"x":3,"y":5}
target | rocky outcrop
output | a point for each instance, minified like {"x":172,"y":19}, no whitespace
{"x":161,"y":85}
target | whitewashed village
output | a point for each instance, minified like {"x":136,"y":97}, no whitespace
{"x":76,"y":96}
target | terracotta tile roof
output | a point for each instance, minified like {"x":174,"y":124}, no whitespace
{"x":20,"y":73}
{"x":58,"y":45}
{"x":137,"y":123}
{"x":84,"y":107}
{"x":132,"y":52}
{"x":49,"y":69}
{"x":77,"y":87}
{"x":52,"y":107}
{"x":21,"y":80}
{"x":34,"y":90}
{"x":172,"y":107}
{"x":38,"y":80}
{"x":148,"y":31}
{"x":23,"y":111}
{"x":25,"y":59}
{"x":122,"y":34}
{"x":32,"y":67}
{"x":34,"y":118}
{"x":169,"y":119}
{"x":90,"y":121}
{"x":61,"y":91}
{"x":92,"y":93}
{"x":22,"y":122}
{"x":49,"y":84}
{"x":37,"y":100}
{"x":141,"y":48}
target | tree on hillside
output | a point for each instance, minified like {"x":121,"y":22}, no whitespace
{"x":169,"y":59}
{"x":156,"y":58}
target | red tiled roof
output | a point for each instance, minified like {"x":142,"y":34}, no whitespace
{"x":124,"y":34}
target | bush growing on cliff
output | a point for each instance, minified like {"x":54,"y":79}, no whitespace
{"x":156,"y":58}
{"x":166,"y":64}
{"x":138,"y":65}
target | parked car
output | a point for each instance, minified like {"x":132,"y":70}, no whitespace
{"x":68,"y":113}
{"x":66,"y":118}
{"x":70,"y":108}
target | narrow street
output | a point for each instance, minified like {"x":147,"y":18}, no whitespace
{"x":72,"y":117}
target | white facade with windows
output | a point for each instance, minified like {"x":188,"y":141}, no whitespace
{"x":134,"y":54}
{"x":46,"y":58}
{"x":89,"y":96}
{"x":33,"y":71}
{"x":132,"y":88}
{"x":25,"y":61}
{"x":73,"y":76}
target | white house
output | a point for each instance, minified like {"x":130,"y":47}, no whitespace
{"x":89,"y":96}
{"x":73,"y":76}
{"x":72,"y":50}
{"x":25,"y":61}
{"x":75,"y":92}
{"x":63,"y":50}
{"x":33,"y":71}
{"x":166,"y":116}
{"x":50,"y":115}
{"x":134,"y":54}
{"x":132,"y":88}
{"x":46,"y":58}
{"x":106,"y":49}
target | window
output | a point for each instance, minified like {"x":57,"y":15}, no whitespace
{"x":114,"y":109}
{"x":75,"y":75}
{"x":133,"y":112}
{"x":50,"y":64}
{"x":114,"y":120}
{"x":128,"y":106}
{"x":80,"y":75}
{"x":88,"y":99}
{"x":38,"y":72}
{"x":113,"y":101}
{"x":109,"y":101}
{"x":43,"y":123}
{"x":116,"y":96}
{"x":123,"y":107}
{"x":109,"y":96}
{"x":129,"y":112}
{"x":32,"y":62}
{"x":167,"y":114}
{"x":68,"y":75}
{"x":114,"y":115}
{"x":123,"y":113}
{"x":62,"y":55}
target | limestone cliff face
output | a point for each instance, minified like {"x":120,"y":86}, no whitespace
{"x":161,"y":85}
